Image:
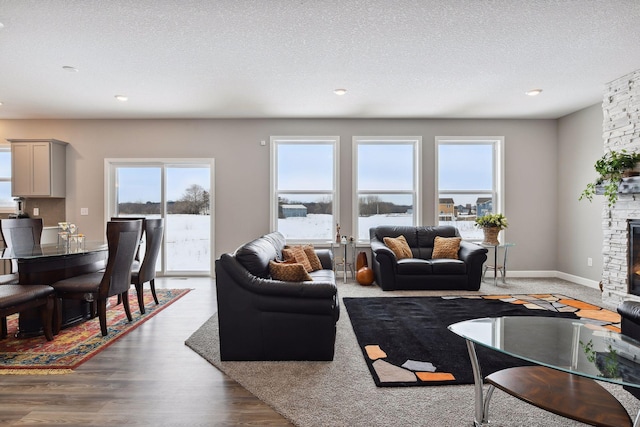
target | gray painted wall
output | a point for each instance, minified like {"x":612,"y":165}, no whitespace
{"x":242,"y":170}
{"x":580,"y":236}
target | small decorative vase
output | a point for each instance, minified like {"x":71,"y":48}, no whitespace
{"x":491,"y":236}
{"x":361,"y":261}
{"x":364,"y":276}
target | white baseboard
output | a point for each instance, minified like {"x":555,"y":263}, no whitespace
{"x":556,"y":274}
{"x":579,"y":280}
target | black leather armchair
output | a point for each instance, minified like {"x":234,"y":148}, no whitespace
{"x":265,"y":319}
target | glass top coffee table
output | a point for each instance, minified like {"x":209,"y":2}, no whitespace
{"x":567,"y":355}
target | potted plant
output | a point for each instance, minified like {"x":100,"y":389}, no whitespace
{"x":491,"y":225}
{"x":611,"y":167}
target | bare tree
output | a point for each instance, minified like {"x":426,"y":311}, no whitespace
{"x":194,"y":201}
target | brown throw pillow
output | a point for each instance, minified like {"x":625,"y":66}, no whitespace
{"x":288,"y":271}
{"x":313,"y":257}
{"x":299,"y":255}
{"x":399,"y":246}
{"x":446,"y":247}
{"x":287,"y":254}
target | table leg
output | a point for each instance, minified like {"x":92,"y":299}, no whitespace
{"x":504,"y":265}
{"x":481,"y":410}
{"x":344,"y":265}
{"x":495,"y":266}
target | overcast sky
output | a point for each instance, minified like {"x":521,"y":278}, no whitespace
{"x":138,"y":184}
{"x":385,"y":167}
{"x":308,"y":167}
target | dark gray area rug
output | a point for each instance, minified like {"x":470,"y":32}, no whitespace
{"x":343,"y":393}
{"x":405,"y":341}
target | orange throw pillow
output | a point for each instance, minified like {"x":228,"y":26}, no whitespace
{"x":399,"y":246}
{"x":288,"y":271}
{"x":446,"y":247}
{"x":312,"y":257}
{"x":298,"y":254}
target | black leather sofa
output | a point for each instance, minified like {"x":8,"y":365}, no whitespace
{"x":265,"y":319}
{"x":422,"y":272}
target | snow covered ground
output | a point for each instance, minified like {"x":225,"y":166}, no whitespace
{"x":188,"y":242}
{"x":321,"y":227}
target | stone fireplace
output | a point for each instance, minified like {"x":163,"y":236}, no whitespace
{"x":621,"y":130}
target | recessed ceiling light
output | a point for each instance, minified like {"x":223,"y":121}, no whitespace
{"x":340,"y":92}
{"x":122,"y":98}
{"x":70,"y":69}
{"x":1,"y":103}
{"x":533,"y":92}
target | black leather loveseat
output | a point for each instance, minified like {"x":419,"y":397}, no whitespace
{"x":265,"y":319}
{"x":421,"y":271}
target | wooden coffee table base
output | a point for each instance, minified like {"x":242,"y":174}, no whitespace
{"x":570,"y":396}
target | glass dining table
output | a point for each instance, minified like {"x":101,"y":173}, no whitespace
{"x":49,"y":263}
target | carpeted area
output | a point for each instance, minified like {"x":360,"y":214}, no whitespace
{"x":343,"y":393}
{"x":78,"y":343}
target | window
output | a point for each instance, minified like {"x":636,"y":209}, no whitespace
{"x":7,"y":204}
{"x":469,"y":181}
{"x":304,"y":183}
{"x":177,"y":190}
{"x":386,"y":181}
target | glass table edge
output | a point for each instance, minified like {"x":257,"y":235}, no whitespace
{"x":53,"y":249}
{"x":617,"y":381}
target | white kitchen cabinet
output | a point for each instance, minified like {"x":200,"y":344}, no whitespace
{"x":38,"y":167}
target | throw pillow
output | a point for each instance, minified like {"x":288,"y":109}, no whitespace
{"x":399,"y":246}
{"x":313,"y":257}
{"x":288,"y":271}
{"x":297,"y":253}
{"x":446,"y":247}
{"x":287,"y":254}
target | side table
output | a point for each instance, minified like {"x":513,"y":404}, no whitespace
{"x":345,"y":261}
{"x":502,"y":268}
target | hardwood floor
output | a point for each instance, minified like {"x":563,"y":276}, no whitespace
{"x":147,"y":378}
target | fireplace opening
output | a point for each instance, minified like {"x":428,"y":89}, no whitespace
{"x":634,"y":256}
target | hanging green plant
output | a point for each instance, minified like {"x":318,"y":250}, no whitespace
{"x":611,"y":167}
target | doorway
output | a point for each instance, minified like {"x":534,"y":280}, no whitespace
{"x":178,"y":190}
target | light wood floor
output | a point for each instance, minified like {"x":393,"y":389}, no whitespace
{"x":147,"y":378}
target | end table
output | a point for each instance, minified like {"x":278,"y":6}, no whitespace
{"x":502,"y":268}
{"x":346,"y":261}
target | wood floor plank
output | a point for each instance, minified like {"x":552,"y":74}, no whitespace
{"x":148,"y":377}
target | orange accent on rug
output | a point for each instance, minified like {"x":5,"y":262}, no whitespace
{"x":375,"y":352}
{"x":435,"y":376}
{"x":579,"y":304}
{"x":600,"y":314}
{"x":78,"y":343}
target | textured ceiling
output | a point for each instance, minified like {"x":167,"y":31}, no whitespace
{"x":274,"y":58}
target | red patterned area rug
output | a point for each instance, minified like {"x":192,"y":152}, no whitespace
{"x":77,"y":344}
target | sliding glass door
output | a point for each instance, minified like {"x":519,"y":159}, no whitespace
{"x":177,"y":190}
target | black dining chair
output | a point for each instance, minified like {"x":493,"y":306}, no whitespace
{"x":133,"y":218}
{"x":123,"y":238}
{"x":19,"y":233}
{"x":146,"y":271}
